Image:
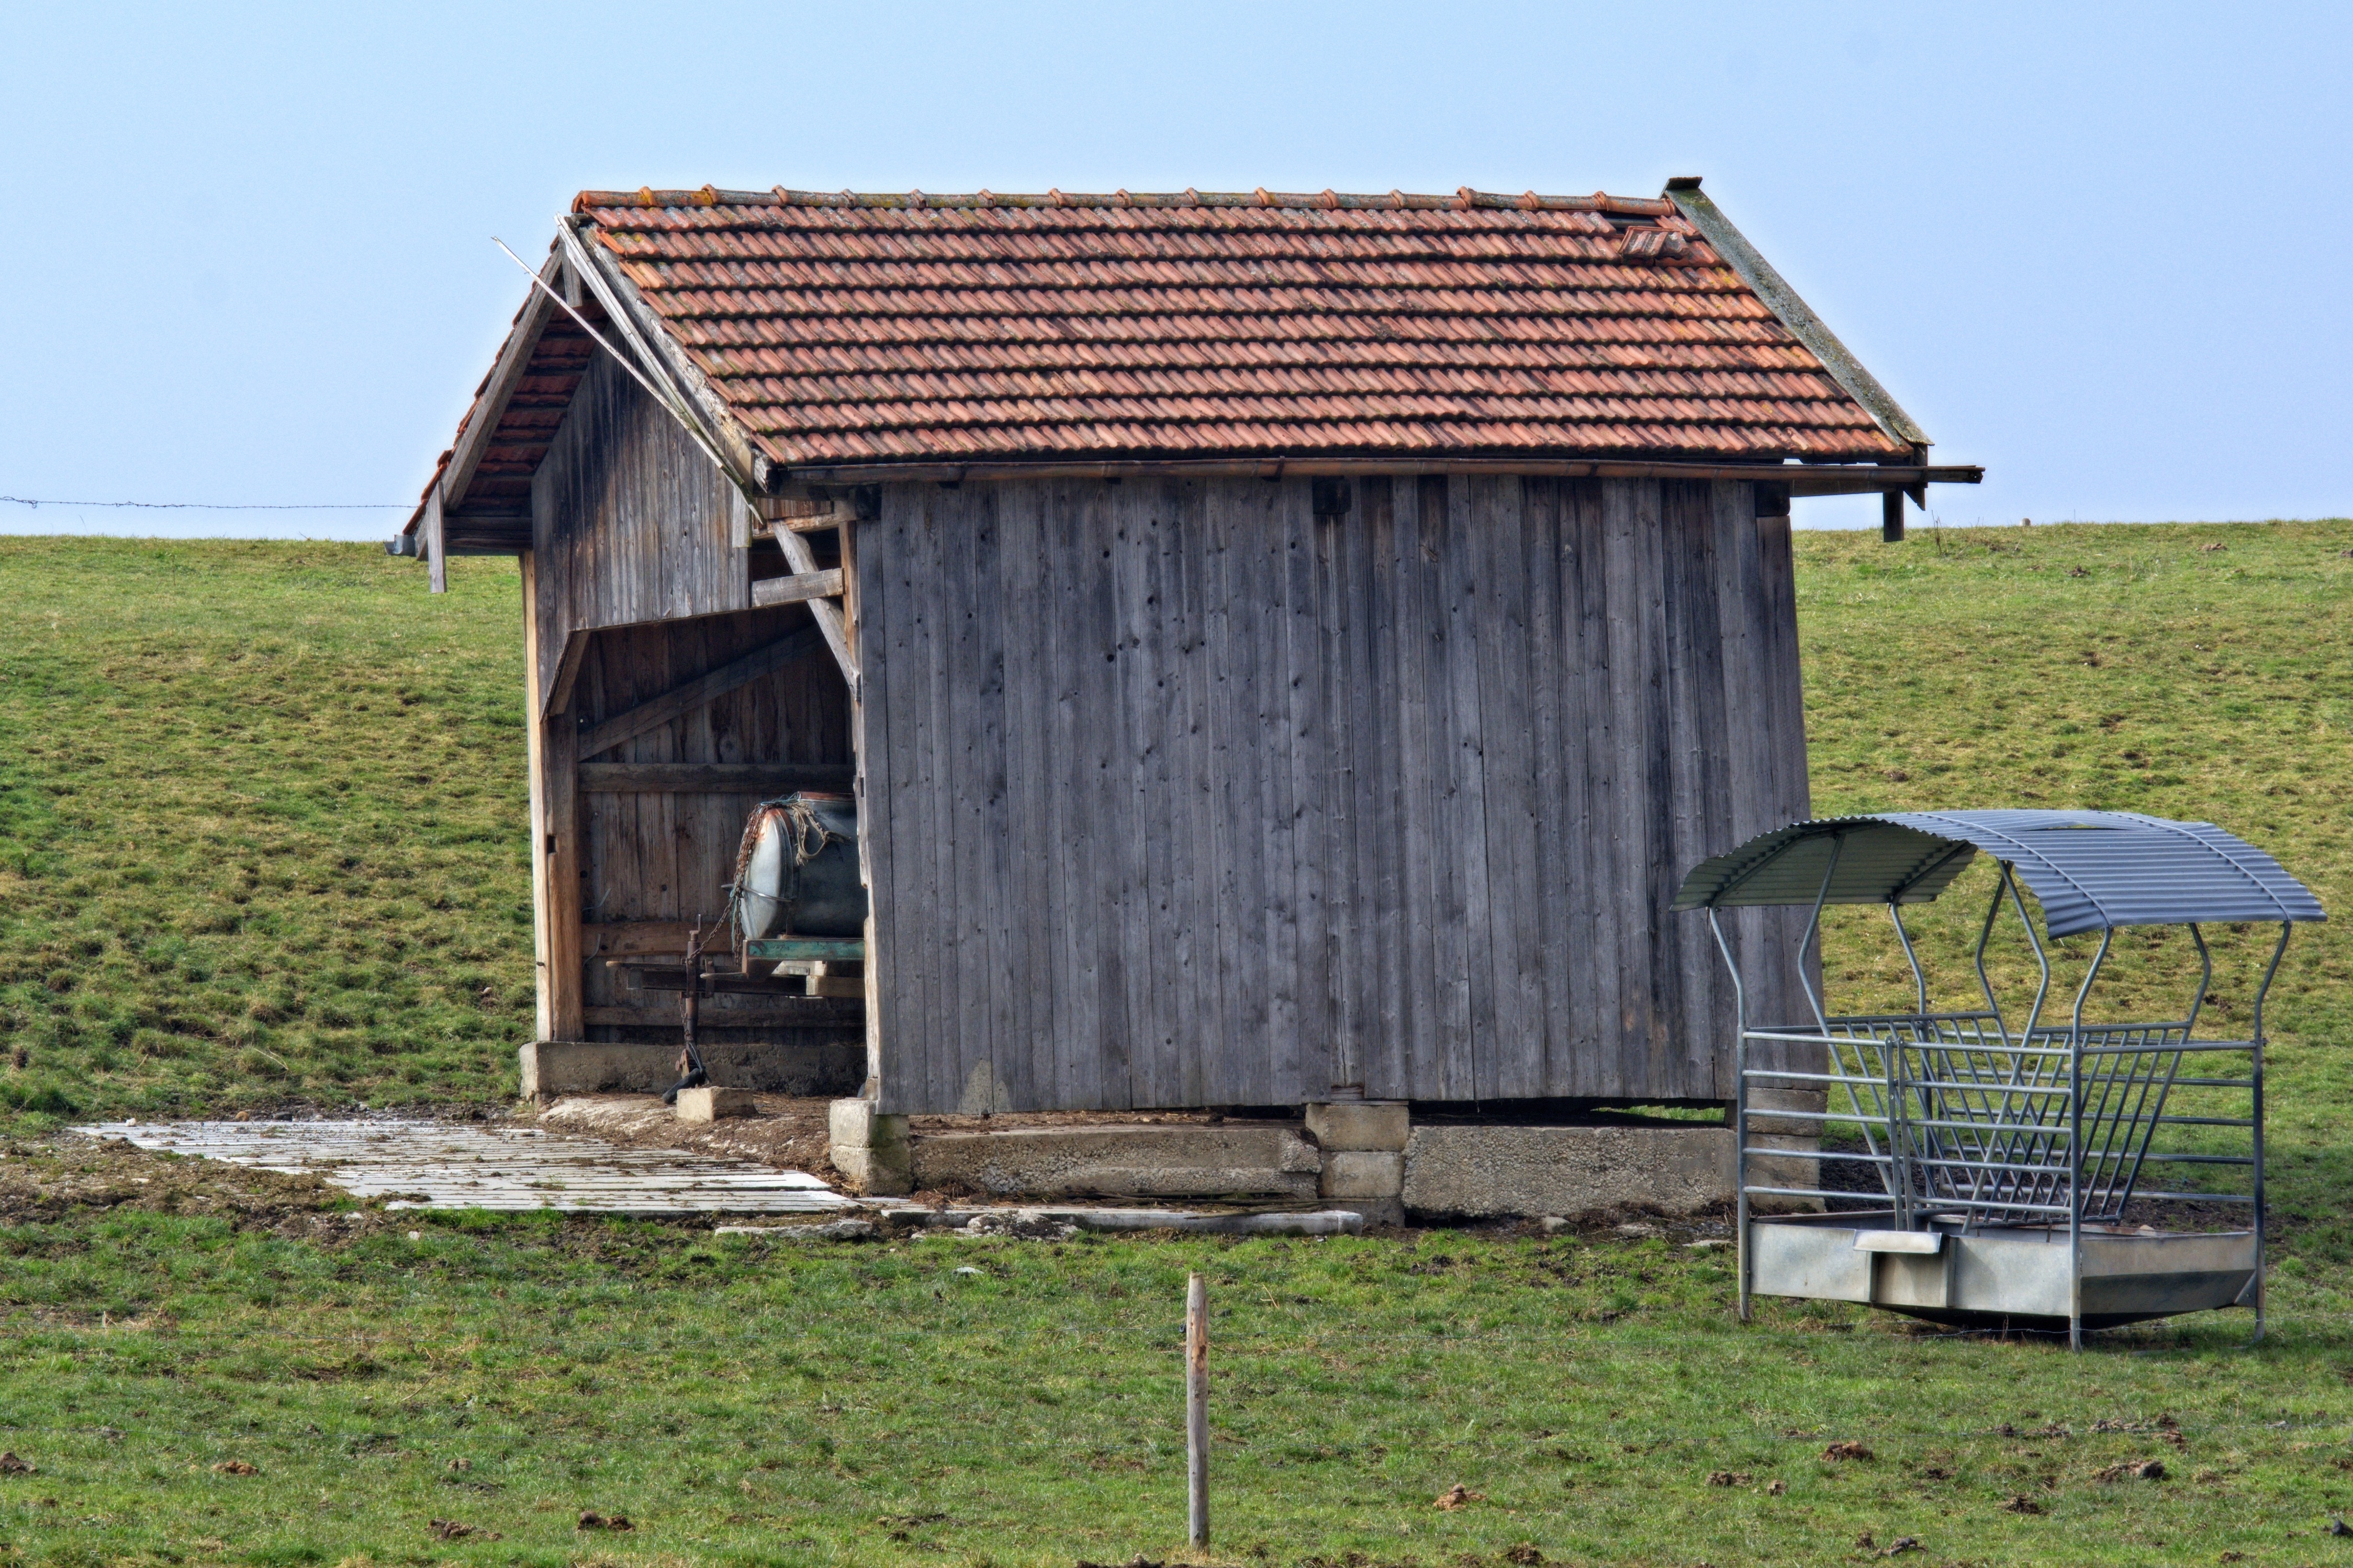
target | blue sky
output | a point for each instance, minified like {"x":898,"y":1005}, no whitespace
{"x":2101,"y":250}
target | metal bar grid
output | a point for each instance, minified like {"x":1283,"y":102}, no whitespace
{"x":1963,"y":1117}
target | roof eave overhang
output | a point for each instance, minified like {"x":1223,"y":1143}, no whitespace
{"x":1801,"y":479}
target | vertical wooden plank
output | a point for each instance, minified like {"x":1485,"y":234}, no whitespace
{"x":1401,"y":1064}
{"x":1385,"y":962}
{"x":1278,"y":511}
{"x":1026,"y":1053}
{"x":877,"y":563}
{"x":1630,"y":523}
{"x":1698,"y":777}
{"x":1556,"y":799}
{"x":1783,"y":696}
{"x":1314,"y":779}
{"x":1509,"y":1058}
{"x":941,"y":1042}
{"x":1447,"y":827}
{"x":535,"y":774}
{"x":1186,"y":960}
{"x":1464,"y":794}
{"x":1338,"y":632}
{"x":1588,"y":758}
{"x":1135,"y":796}
{"x":1251,"y":810}
{"x":978,"y":760}
{"x":1072,"y":656}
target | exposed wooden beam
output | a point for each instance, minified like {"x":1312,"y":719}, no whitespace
{"x":567,"y":669}
{"x":798,"y":588}
{"x":803,"y":560}
{"x":696,"y":693}
{"x":713,"y":778}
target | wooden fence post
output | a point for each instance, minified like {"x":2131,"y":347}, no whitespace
{"x":1196,"y":1412}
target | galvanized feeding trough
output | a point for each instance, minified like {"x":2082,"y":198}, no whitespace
{"x":1988,"y":1169}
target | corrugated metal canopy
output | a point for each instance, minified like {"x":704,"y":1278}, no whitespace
{"x":2089,"y":869}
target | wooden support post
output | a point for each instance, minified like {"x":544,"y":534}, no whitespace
{"x":1197,"y":1412}
{"x":872,"y":971}
{"x":431,"y":539}
{"x":1891,"y":516}
{"x":803,"y":560}
{"x":553,"y":746}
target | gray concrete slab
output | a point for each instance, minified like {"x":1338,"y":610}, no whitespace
{"x":418,"y":1163}
{"x":1231,"y":1160}
{"x":1493,"y":1172}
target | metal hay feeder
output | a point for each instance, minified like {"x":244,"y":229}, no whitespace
{"x":1989,"y":1166}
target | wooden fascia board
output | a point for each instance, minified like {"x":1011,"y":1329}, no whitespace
{"x":1808,"y":329}
{"x":659,"y":355}
{"x":490,"y":405}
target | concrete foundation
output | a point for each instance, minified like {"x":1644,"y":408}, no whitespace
{"x":871,"y":1151}
{"x":1178,"y":1160}
{"x":1376,"y":1125}
{"x":550,"y":1068}
{"x":1366,"y":1158}
{"x":709,"y":1103}
{"x":1481,"y":1172}
{"x":1363,"y":1144}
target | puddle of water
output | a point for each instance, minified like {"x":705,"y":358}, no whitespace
{"x":448,"y":1165}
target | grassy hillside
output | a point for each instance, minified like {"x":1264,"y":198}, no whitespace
{"x":261,"y":826}
{"x":263,"y":840}
{"x":261,"y":806}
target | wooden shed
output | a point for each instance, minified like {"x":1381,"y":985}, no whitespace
{"x":1285,"y":648}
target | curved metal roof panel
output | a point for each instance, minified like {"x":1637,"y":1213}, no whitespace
{"x":2089,"y":869}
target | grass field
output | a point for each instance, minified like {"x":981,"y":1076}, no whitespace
{"x":260,"y":842}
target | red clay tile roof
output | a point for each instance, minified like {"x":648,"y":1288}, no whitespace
{"x":852,"y":329}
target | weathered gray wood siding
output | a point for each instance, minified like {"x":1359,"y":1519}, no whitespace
{"x":1179,"y":794}
{"x":629,"y":519}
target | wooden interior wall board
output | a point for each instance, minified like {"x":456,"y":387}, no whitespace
{"x":623,"y":938}
{"x":695,"y":691}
